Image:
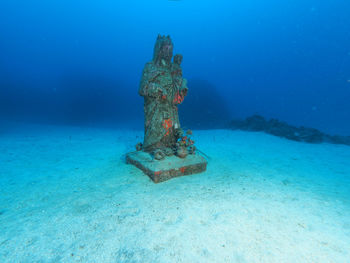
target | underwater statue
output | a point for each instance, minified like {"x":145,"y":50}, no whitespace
{"x":163,"y":89}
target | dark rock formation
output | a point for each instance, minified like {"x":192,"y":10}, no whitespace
{"x":283,"y":129}
{"x":205,"y":107}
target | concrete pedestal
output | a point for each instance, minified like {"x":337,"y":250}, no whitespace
{"x":169,"y":167}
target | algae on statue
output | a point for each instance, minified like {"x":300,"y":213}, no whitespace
{"x":166,"y":151}
{"x":163,"y":89}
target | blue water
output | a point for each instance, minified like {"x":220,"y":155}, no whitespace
{"x":70,"y":111}
{"x":62,"y":60}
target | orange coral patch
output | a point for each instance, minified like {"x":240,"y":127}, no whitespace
{"x":167,"y":124}
{"x":157,"y":173}
{"x":182,"y":169}
{"x":178,"y":98}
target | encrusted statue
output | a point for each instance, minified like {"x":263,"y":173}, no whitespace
{"x":163,"y":89}
{"x":166,"y":151}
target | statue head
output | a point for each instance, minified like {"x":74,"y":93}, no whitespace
{"x":163,"y":50}
{"x":178,"y":59}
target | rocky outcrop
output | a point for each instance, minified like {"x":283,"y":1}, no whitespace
{"x":284,"y":130}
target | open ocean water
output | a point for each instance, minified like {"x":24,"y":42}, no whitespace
{"x":70,"y":111}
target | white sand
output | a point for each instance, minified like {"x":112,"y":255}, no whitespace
{"x":68,"y":196}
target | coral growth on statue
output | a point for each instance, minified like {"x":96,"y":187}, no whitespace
{"x":166,"y":151}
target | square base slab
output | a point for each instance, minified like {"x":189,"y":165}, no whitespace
{"x":169,"y":167}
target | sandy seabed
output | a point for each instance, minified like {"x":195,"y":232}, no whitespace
{"x":67,"y":195}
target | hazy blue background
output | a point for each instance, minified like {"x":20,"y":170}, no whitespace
{"x":80,"y":61}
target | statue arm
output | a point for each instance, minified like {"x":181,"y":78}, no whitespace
{"x":148,"y":86}
{"x":181,"y":92}
{"x":184,"y":88}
